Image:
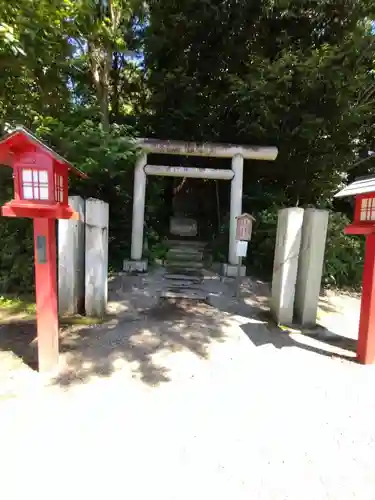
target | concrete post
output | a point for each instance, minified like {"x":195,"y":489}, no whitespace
{"x":310,"y":265}
{"x":139,"y":194}
{"x":235,"y":205}
{"x":96,"y":257}
{"x":71,"y":260}
{"x":288,"y":241}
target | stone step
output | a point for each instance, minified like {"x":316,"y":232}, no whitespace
{"x":184,"y":294}
{"x":188,"y":272}
{"x":182,"y":277}
{"x":174,"y":285}
{"x":172,"y":243}
{"x":184,"y":256}
{"x":186,"y":250}
{"x":184,"y":264}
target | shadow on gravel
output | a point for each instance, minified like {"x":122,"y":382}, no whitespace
{"x":19,"y":338}
{"x":281,"y":339}
{"x":166,"y":328}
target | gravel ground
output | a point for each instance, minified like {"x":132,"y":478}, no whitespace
{"x":182,"y":401}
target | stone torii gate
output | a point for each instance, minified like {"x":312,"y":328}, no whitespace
{"x":237,"y":153}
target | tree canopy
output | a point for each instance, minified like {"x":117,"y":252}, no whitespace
{"x":294,"y":74}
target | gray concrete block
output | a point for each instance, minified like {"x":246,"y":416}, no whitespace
{"x":71,"y":260}
{"x":231,"y":270}
{"x":310,"y":265}
{"x":288,"y":241}
{"x":131,"y":266}
{"x":96,"y":257}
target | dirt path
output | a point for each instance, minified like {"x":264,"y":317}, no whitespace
{"x":193,"y":401}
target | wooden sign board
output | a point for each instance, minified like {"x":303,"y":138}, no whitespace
{"x":244,"y":227}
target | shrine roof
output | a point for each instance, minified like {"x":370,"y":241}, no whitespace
{"x":20,"y":138}
{"x":362,"y":185}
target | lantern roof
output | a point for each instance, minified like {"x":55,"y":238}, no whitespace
{"x":20,"y":139}
{"x":245,"y":216}
{"x":361,"y":185}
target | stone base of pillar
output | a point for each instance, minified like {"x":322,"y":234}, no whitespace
{"x":135,"y":266}
{"x":231,"y":271}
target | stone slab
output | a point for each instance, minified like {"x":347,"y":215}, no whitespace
{"x":184,"y":264}
{"x":183,"y":226}
{"x":96,"y":257}
{"x":174,"y":285}
{"x":184,"y":294}
{"x":182,"y":277}
{"x":191,"y":250}
{"x":310,"y":265}
{"x":285,"y":264}
{"x":195,"y":256}
{"x":231,"y":271}
{"x":184,"y":284}
{"x":189,"y":272}
{"x":185,"y":243}
{"x":71,"y":261}
{"x":131,"y":266}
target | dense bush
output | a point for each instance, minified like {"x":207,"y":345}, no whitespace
{"x":262,"y":246}
{"x":343,"y":263}
{"x":108,"y":159}
{"x":16,"y":236}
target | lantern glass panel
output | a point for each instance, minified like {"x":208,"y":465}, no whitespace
{"x":28,"y":193}
{"x":367,"y":212}
{"x":34,"y":184}
{"x":43,"y":176}
{"x":59,"y":188}
{"x":26,"y":175}
{"x":43,"y":190}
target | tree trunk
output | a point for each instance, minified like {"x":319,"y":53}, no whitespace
{"x":100,"y":62}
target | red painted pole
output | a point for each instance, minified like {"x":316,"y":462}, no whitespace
{"x":46,"y":293}
{"x":366,"y":338}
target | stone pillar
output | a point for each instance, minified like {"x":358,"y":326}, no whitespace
{"x":139,"y":194}
{"x":288,"y":241}
{"x":71,"y":260}
{"x":310,"y":265}
{"x":235,"y":205}
{"x":96,"y":257}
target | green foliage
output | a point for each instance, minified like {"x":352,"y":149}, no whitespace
{"x":158,"y":251}
{"x":108,"y":158}
{"x":16,"y":235}
{"x":285,"y":73}
{"x":344,"y":255}
{"x":16,"y":256}
{"x":15,"y":305}
{"x":262,"y":247}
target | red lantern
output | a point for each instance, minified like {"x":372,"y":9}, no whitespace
{"x":40,"y":192}
{"x":40,"y":178}
{"x":364,"y":223}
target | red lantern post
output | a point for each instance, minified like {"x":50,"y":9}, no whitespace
{"x":364,"y":224}
{"x":41,"y":193}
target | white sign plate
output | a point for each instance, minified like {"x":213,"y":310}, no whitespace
{"x":241,"y":248}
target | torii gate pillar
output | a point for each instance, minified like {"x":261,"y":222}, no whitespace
{"x":235,"y":208}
